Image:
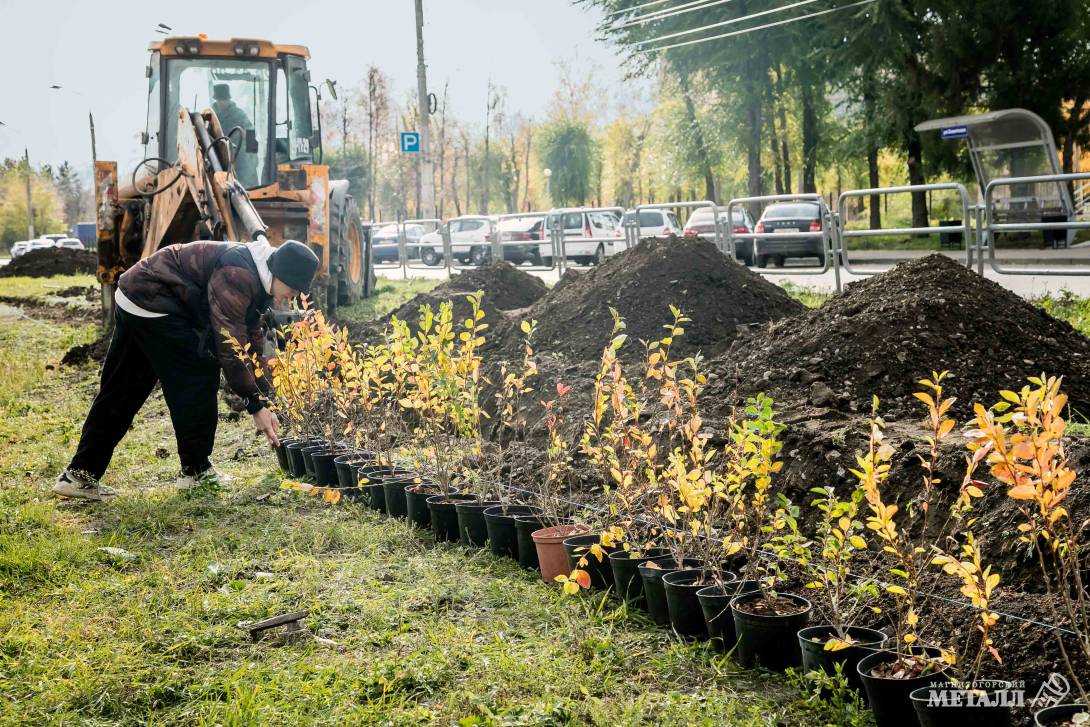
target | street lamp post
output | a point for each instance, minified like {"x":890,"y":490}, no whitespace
{"x":548,"y":174}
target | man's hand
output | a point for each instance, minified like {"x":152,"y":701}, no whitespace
{"x":266,"y":423}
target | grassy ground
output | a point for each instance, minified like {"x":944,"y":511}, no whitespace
{"x":389,"y":295}
{"x":418,"y":633}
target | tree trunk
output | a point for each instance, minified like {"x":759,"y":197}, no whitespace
{"x":809,"y":134}
{"x":777,"y":167}
{"x":916,"y":176}
{"x":454,"y":188}
{"x":785,"y":152}
{"x":753,"y":137}
{"x":872,"y":155}
{"x":526,"y":168}
{"x":698,"y":135}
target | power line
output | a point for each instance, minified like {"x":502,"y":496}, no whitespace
{"x":750,"y":30}
{"x":732,"y":21}
{"x":668,"y":12}
{"x":636,"y":7}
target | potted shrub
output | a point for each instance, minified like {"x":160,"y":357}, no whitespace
{"x":767,"y":621}
{"x":839,"y":545}
{"x":889,"y":677}
{"x":1021,"y":440}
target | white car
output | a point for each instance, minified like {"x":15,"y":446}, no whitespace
{"x":19,"y":248}
{"x":70,"y":243}
{"x":590,"y":236}
{"x":54,"y":237}
{"x":40,"y":244}
{"x":469,"y":242}
{"x":655,"y":223}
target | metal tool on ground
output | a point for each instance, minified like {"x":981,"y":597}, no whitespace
{"x":293,"y":629}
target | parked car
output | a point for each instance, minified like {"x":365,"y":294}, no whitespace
{"x":701,"y":223}
{"x":19,"y":248}
{"x":54,"y":237}
{"x":782,"y":219}
{"x":384,"y":242}
{"x":40,"y":244}
{"x":531,"y":229}
{"x":654,"y":223}
{"x":590,"y":236}
{"x":70,"y":243}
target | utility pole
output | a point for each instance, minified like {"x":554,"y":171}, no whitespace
{"x":29,"y":204}
{"x":94,"y":152}
{"x":426,"y":201}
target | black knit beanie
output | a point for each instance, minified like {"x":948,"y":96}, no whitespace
{"x":294,"y":264}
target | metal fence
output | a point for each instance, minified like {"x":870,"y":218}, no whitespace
{"x":560,"y":242}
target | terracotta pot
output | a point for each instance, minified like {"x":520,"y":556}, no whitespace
{"x":550,"y":548}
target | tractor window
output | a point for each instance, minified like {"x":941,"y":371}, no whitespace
{"x":152,"y":127}
{"x":299,"y":129}
{"x":238,"y":92}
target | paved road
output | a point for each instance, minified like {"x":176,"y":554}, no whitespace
{"x":801,"y":274}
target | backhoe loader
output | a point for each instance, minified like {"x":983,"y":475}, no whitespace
{"x":232,"y":151}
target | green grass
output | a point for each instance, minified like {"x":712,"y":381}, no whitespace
{"x":424,"y":633}
{"x":41,"y":288}
{"x":388,"y":296}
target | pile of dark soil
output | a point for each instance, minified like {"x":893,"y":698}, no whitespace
{"x":882,"y":335}
{"x":86,"y":352}
{"x":641,"y":284}
{"x":505,"y":288}
{"x":49,"y":261}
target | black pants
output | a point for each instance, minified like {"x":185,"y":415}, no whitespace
{"x":142,"y":352}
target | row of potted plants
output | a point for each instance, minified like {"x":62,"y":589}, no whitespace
{"x":696,"y":534}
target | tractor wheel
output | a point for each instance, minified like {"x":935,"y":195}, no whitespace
{"x":347,"y":252}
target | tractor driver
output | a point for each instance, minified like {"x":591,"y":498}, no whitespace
{"x":231,"y":116}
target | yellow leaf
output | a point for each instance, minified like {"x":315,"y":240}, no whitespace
{"x":835,"y":644}
{"x":1022,"y":492}
{"x":858,"y":541}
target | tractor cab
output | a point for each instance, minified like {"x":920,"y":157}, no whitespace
{"x":259,"y":91}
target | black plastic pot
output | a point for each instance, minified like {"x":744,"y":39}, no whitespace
{"x":416,"y":502}
{"x":348,"y":467}
{"x":295,"y":458}
{"x":308,"y":456}
{"x":686,"y":617}
{"x":1058,"y":713}
{"x":444,"y":516}
{"x":472,"y":529}
{"x":947,"y":704}
{"x":282,"y":453}
{"x":577,"y":547}
{"x":325,"y":472}
{"x":626,"y":577}
{"x":394,"y":491}
{"x":715,"y":605}
{"x":525,"y":525}
{"x":371,"y":477}
{"x":503,"y":537}
{"x":890,"y":699}
{"x":654,"y":592}
{"x":812,"y":640}
{"x":769,"y":641}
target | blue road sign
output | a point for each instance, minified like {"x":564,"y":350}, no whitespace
{"x":410,"y":141}
{"x":955,"y":132}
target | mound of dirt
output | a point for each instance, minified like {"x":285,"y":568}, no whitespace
{"x":882,"y":335}
{"x":85,"y":352}
{"x":49,"y":261}
{"x":505,"y":288}
{"x":641,"y":284}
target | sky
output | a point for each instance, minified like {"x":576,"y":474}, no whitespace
{"x":97,"y":52}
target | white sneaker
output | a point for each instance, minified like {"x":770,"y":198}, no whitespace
{"x":80,"y":486}
{"x":210,"y":476}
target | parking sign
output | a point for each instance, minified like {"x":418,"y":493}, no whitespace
{"x":410,"y":141}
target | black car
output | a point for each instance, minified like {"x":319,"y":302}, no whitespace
{"x":783,"y":218}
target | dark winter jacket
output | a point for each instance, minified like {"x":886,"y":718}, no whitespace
{"x":217,"y":287}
